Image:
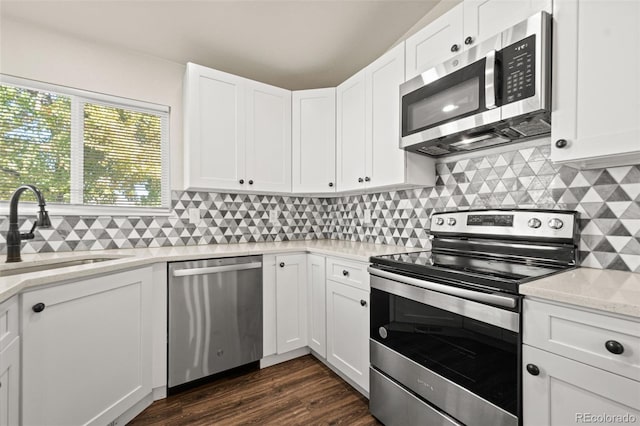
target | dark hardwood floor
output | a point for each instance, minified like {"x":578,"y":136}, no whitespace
{"x":298,"y":392}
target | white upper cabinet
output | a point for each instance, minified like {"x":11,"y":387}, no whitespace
{"x":485,"y":18}
{"x":214,"y":129}
{"x":351,"y":133}
{"x":268,"y":147}
{"x":237,"y":133}
{"x":462,"y":27}
{"x":314,"y":140}
{"x":595,"y":120}
{"x":368,"y":120}
{"x":435,"y":43}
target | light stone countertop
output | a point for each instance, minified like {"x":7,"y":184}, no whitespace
{"x":603,"y":289}
{"x":131,"y":258}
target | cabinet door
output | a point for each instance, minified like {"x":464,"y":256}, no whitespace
{"x":86,"y":357}
{"x":291,"y":302}
{"x":314,"y":140}
{"x":10,"y":384}
{"x":348,"y":331}
{"x":214,"y":129}
{"x":435,"y":43}
{"x":351,"y":133}
{"x":317,"y":304}
{"x":268,"y":138}
{"x":385,"y":162}
{"x":596,"y":89}
{"x":567,"y":392}
{"x":486,"y":18}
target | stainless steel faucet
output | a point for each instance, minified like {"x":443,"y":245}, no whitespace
{"x":14,"y":237}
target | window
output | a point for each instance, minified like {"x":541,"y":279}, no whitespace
{"x":82,"y":148}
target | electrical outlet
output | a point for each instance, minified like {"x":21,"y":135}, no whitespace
{"x":273,"y":215}
{"x":367,"y":216}
{"x":194,"y":215}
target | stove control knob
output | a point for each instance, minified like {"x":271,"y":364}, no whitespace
{"x":534,"y":222}
{"x":451,"y":221}
{"x":555,"y":223}
{"x":439,"y":221}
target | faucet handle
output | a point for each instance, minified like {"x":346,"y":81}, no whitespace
{"x":27,"y":236}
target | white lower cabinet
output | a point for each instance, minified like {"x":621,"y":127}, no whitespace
{"x":579,"y":366}
{"x":9,"y":363}
{"x":348,"y":331}
{"x":316,"y":291}
{"x":291,"y":302}
{"x":86,"y":354}
{"x":566,"y":392}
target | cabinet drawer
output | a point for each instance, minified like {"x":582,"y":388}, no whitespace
{"x":581,"y":335}
{"x":8,"y":322}
{"x":347,"y":272}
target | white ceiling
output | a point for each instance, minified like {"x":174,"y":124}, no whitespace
{"x":295,"y":44}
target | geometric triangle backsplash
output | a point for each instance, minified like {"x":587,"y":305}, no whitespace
{"x":608,"y":201}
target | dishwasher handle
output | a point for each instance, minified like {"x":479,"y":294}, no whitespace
{"x":216,"y":269}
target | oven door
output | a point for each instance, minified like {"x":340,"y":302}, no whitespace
{"x":455,"y":96}
{"x":459,"y":354}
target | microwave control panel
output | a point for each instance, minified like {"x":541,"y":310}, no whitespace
{"x":519,"y":70}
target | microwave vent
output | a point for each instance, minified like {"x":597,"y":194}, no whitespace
{"x":532,"y":127}
{"x":433,"y":150}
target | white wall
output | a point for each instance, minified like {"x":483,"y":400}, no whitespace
{"x":32,"y":52}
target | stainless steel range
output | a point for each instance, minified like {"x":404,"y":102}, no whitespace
{"x":445,"y":324}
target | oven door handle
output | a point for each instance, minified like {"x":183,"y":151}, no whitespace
{"x":494,"y":299}
{"x":490,"y":80}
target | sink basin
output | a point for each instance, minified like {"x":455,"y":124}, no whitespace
{"x":41,"y":266}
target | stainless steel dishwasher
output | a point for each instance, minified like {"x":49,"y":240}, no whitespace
{"x":215,"y":316}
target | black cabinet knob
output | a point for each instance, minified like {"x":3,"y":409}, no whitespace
{"x":38,"y":307}
{"x":455,"y":48}
{"x":363,"y":302}
{"x":331,"y":184}
{"x":345,"y":272}
{"x":614,"y":347}
{"x":533,"y":369}
{"x":561,"y":143}
{"x":468,"y":40}
{"x":250,"y":182}
{"x":241,"y":181}
{"x":367,"y":179}
{"x":282,"y":264}
{"x":360,"y":180}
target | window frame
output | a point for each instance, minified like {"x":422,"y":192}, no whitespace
{"x":78,"y":98}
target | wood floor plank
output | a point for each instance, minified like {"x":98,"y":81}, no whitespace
{"x":302,"y":391}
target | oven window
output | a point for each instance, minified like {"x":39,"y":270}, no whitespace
{"x":475,"y":355}
{"x":442,"y":106}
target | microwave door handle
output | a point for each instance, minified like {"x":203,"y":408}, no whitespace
{"x":490,"y":80}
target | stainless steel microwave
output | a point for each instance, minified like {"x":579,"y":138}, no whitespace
{"x":496,"y":92}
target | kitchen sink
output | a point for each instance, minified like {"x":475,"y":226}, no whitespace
{"x":41,"y":266}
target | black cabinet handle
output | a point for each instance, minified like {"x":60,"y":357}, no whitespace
{"x":455,"y":48}
{"x":561,"y":143}
{"x":345,"y":272}
{"x":250,"y":182}
{"x":241,"y":181}
{"x":38,"y":307}
{"x":468,"y":40}
{"x":367,"y":179}
{"x":360,"y":180}
{"x":614,"y":347}
{"x":282,"y":264}
{"x":331,"y":184}
{"x":363,"y":302}
{"x":533,"y":369}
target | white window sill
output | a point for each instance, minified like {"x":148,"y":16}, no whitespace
{"x":27,"y":208}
